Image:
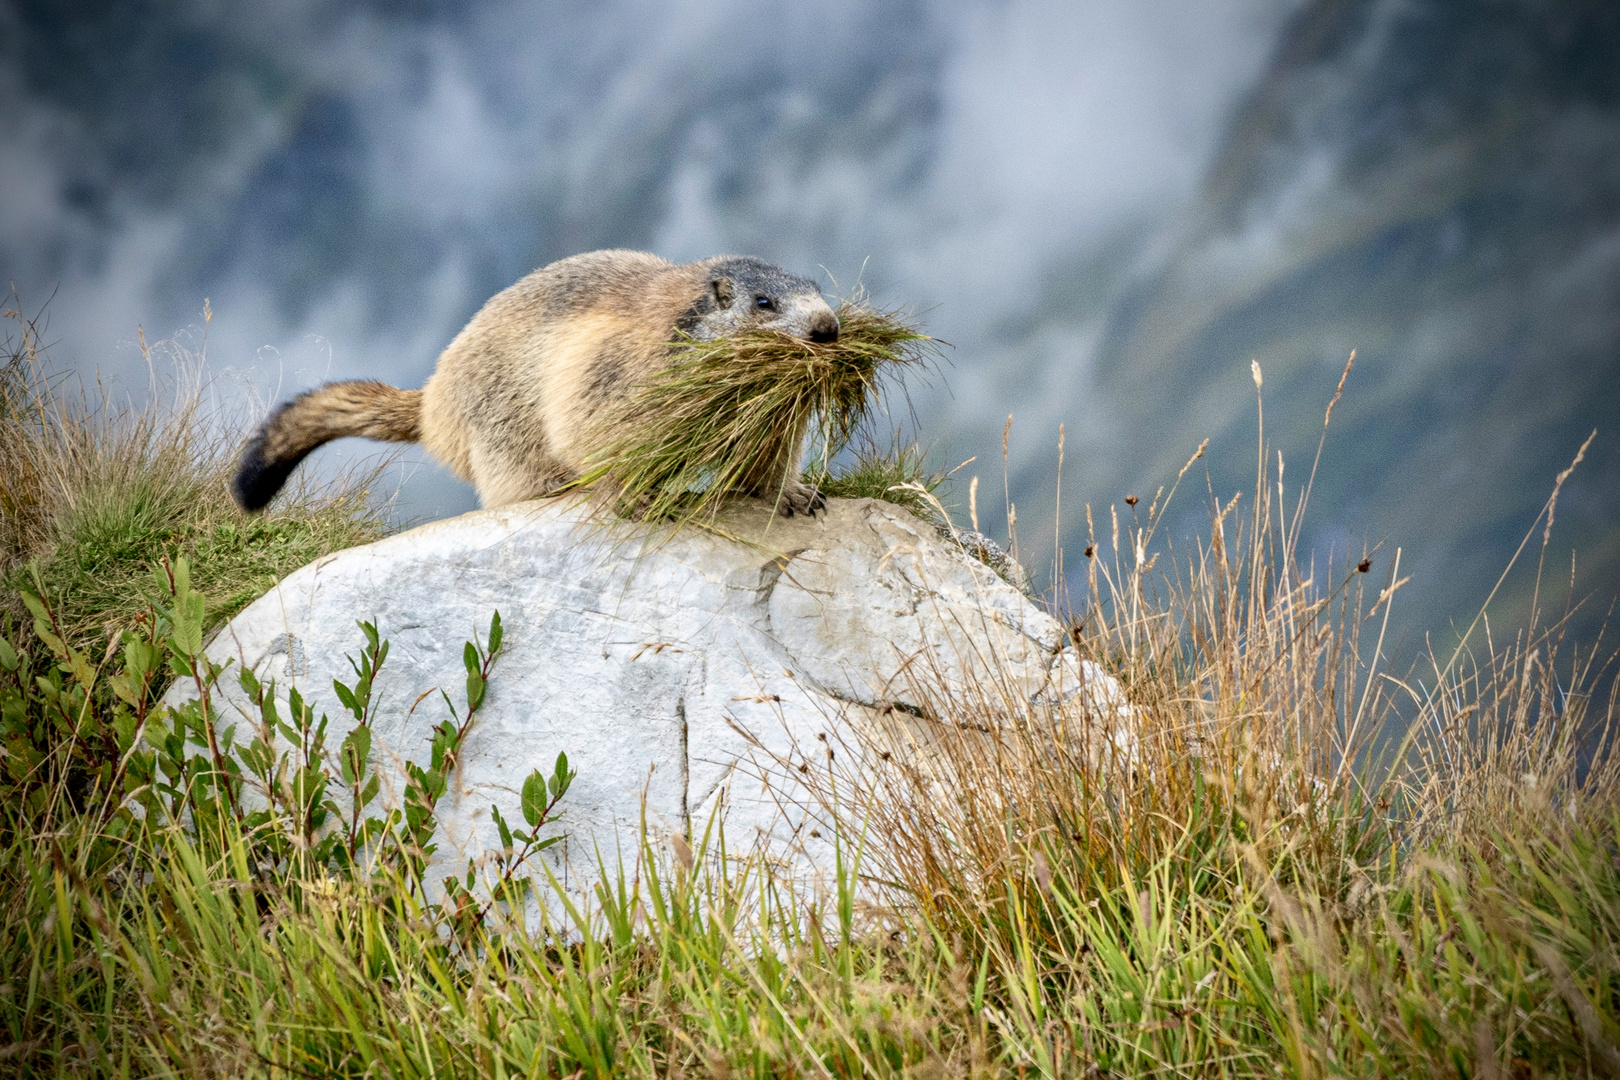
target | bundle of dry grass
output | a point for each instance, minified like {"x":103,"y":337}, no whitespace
{"x":729,"y":416}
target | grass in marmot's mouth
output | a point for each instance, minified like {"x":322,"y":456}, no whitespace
{"x":727,"y":417}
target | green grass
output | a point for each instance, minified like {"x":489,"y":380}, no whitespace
{"x":1224,"y":918}
{"x":1281,"y":862}
{"x":99,"y":563}
{"x":97,"y":492}
{"x":898,"y":474}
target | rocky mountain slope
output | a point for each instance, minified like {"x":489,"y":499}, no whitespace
{"x":1436,"y":185}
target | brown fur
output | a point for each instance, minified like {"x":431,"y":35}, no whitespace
{"x":371,"y":410}
{"x":533,"y":383}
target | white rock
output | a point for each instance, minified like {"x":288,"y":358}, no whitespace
{"x":688,"y":675}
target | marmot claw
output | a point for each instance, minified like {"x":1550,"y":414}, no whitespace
{"x":802,"y":499}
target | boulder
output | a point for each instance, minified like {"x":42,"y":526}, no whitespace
{"x":690,"y":677}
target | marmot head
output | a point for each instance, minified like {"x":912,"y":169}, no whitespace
{"x":748,"y":294}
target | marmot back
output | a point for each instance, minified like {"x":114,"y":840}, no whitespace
{"x":533,"y":384}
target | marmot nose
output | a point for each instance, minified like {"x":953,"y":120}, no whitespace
{"x":824,"y":328}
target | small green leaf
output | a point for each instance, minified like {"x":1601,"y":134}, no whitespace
{"x":156,"y":734}
{"x":308,"y":785}
{"x":267,"y":711}
{"x":42,"y":630}
{"x":124,"y":729}
{"x":561,"y":777}
{"x":495,"y":634}
{"x":346,"y":696}
{"x":446,"y":740}
{"x":435,"y":784}
{"x":141,"y":655}
{"x":187,"y":633}
{"x":500,"y":823}
{"x":469,"y":658}
{"x":356,"y":750}
{"x":126,"y":689}
{"x":534,"y":799}
{"x":83,"y":674}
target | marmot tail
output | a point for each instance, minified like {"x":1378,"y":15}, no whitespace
{"x":371,"y":410}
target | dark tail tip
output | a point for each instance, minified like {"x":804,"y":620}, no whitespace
{"x":258,"y":478}
{"x":258,"y":475}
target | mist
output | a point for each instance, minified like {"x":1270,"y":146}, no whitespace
{"x":345,"y":214}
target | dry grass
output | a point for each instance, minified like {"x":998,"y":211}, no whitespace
{"x":95,"y":490}
{"x":1283,"y":858}
{"x":731,"y":415}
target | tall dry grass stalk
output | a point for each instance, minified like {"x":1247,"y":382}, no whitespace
{"x":1257,"y":679}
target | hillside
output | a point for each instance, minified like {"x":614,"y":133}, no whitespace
{"x":1436,"y":186}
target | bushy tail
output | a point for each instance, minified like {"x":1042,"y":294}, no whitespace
{"x":370,"y":410}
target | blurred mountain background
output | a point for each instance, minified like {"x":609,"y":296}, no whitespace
{"x":1109,"y":208}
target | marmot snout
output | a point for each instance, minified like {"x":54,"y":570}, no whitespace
{"x":533,"y":384}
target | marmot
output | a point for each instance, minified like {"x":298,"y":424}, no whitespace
{"x":531,"y":386}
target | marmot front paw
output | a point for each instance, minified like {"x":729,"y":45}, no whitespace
{"x":801,"y":498}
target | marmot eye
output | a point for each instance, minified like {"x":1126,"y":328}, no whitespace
{"x":765,"y":303}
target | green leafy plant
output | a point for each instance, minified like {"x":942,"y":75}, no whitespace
{"x":181,"y":767}
{"x":540,"y":797}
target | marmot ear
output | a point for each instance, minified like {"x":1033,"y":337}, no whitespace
{"x":723,"y":292}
